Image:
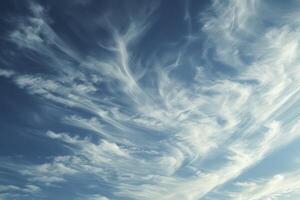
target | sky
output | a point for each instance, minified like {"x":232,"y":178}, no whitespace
{"x":150,"y":100}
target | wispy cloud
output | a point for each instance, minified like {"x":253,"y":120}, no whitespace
{"x":150,"y":129}
{"x":276,"y":187}
{"x":6,"y":73}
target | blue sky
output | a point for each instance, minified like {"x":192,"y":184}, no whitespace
{"x":146,"y":99}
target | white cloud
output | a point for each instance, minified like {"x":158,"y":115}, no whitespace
{"x":276,"y":187}
{"x":6,"y":73}
{"x":156,"y":131}
{"x":97,"y":197}
{"x":25,"y":189}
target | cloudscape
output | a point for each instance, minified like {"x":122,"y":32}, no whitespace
{"x":150,"y":100}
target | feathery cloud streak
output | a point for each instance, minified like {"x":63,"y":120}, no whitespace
{"x":143,"y":114}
